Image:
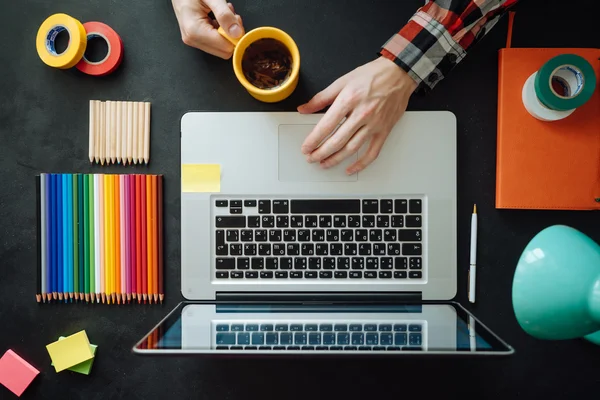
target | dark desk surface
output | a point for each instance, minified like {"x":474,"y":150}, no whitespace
{"x":43,"y":128}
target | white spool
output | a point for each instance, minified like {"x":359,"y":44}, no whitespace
{"x":536,"y":108}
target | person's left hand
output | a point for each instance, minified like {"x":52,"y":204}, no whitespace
{"x":372,"y":98}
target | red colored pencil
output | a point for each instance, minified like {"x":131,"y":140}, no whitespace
{"x":154,"y":241}
{"x":159,"y":205}
{"x":144,"y":238}
{"x":131,"y":243}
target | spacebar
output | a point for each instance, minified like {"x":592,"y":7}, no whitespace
{"x":339,"y":206}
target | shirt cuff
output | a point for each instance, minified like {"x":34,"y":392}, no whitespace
{"x":424,"y":49}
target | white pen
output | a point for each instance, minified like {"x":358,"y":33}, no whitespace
{"x":473,"y":262}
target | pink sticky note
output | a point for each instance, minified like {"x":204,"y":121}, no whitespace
{"x":15,"y":373}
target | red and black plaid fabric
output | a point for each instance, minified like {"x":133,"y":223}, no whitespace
{"x":437,"y":36}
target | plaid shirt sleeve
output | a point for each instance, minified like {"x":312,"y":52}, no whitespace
{"x":437,"y":37}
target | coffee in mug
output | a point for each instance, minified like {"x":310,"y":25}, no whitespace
{"x":267,"y":63}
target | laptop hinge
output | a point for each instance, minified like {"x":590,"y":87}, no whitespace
{"x":321,"y":297}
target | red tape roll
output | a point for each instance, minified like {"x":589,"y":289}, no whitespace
{"x":115,"y":50}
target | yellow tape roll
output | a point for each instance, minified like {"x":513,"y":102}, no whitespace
{"x":46,"y":36}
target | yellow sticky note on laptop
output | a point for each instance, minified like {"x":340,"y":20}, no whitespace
{"x":201,"y":178}
{"x":70,"y":351}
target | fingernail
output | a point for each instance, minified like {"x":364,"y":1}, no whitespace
{"x":351,"y":171}
{"x":305,"y":151}
{"x":309,"y":159}
{"x":235,"y":31}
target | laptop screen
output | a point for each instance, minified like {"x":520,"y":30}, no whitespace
{"x":443,"y":328}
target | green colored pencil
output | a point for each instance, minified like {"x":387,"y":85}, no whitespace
{"x":92,"y":238}
{"x":80,"y":227}
{"x":86,"y":237}
{"x":75,"y":239}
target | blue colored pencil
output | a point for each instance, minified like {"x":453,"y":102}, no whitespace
{"x":59,"y":237}
{"x":48,"y":208}
{"x":80,"y":236}
{"x":65,"y":224}
{"x":54,"y":237}
{"x":69,"y":221}
{"x":50,"y":232}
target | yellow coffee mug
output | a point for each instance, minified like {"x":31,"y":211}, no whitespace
{"x":266,"y":95}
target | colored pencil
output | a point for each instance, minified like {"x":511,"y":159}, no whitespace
{"x":86,"y":237}
{"x":91,"y":227}
{"x":154,"y":242}
{"x":40,"y":263}
{"x":80,"y":225}
{"x":75,"y":228}
{"x":123,"y":247}
{"x":132,"y":238}
{"x":138,"y":235}
{"x":143,"y":238}
{"x":149,"y":232}
{"x":99,"y":238}
{"x":117,"y":256}
{"x":159,"y":190}
{"x":50,"y":230}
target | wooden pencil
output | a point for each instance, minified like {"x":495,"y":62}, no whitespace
{"x":92,"y":138}
{"x":111,"y":132}
{"x":141,"y":125}
{"x":118,"y":132}
{"x":159,"y":190}
{"x":102,"y":136}
{"x":129,"y":132}
{"x":147,"y":132}
{"x":123,"y":106}
{"x":143,"y":238}
{"x":135,"y":135}
{"x":154,"y":241}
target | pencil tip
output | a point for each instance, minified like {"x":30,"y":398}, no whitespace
{"x":474,"y":208}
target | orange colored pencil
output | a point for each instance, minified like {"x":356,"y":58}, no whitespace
{"x":154,"y":241}
{"x":117,"y":256}
{"x":149,"y":241}
{"x":138,"y":235}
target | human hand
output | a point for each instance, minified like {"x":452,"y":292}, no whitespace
{"x":371,"y":98}
{"x":200,"y":31}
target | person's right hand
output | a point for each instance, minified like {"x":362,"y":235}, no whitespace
{"x":200,"y":31}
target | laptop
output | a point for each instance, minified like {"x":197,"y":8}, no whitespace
{"x":284,"y":257}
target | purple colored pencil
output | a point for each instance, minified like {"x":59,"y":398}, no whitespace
{"x":127,"y":265}
{"x":132,"y":238}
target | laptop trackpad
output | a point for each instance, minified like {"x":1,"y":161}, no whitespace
{"x":293,"y":166}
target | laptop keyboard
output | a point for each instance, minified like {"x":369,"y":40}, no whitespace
{"x":319,"y":335}
{"x":324,"y":239}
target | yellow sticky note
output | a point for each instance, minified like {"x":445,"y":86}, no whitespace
{"x":201,"y":178}
{"x":70,"y":351}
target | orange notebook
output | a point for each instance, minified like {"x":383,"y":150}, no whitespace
{"x":545,"y":165}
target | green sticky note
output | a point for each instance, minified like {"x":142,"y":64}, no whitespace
{"x":86,"y":366}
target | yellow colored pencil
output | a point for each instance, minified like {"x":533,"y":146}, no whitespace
{"x":117,"y":257}
{"x":105,"y":250}
{"x":111,"y":238}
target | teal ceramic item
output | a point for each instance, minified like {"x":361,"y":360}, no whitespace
{"x":556,"y":287}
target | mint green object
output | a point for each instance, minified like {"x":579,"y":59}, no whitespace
{"x":556,"y":287}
